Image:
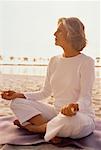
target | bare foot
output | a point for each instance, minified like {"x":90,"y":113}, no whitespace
{"x":56,"y":140}
{"x":17,"y":123}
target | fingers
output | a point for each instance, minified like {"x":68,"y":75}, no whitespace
{"x":67,"y":111}
{"x":70,"y":110}
{"x":75,"y":106}
{"x":7,"y":94}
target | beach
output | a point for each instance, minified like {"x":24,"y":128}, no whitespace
{"x":23,"y":83}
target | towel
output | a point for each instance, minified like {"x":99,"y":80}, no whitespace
{"x":11,"y":134}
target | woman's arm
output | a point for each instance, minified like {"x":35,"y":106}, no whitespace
{"x":87,"y":78}
{"x":46,"y":90}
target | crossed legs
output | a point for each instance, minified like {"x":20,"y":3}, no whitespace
{"x":38,"y":124}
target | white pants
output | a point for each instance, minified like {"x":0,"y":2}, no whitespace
{"x":77,"y":126}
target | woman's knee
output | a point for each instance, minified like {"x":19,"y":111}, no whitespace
{"x":16,"y":102}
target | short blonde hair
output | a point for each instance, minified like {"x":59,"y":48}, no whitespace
{"x":75,"y":32}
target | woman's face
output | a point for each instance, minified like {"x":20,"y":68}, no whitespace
{"x":60,"y":35}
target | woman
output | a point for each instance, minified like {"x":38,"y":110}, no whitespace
{"x":69,"y":79}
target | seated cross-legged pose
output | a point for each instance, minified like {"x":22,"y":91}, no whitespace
{"x":70,"y":77}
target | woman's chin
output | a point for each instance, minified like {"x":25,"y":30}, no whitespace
{"x":56,"y":43}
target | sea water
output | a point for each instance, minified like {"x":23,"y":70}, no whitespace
{"x":36,"y":70}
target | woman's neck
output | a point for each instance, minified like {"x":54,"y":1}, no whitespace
{"x":70,"y":53}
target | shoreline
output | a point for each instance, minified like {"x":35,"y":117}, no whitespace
{"x":40,"y":76}
{"x":34,"y":64}
{"x":23,"y":64}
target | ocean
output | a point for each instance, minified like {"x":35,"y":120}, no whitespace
{"x":36,"y":70}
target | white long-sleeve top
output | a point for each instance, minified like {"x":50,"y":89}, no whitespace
{"x":69,"y":80}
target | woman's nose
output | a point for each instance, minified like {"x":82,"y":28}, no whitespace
{"x":55,"y":33}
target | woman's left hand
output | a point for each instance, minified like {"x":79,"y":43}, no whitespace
{"x":70,"y":110}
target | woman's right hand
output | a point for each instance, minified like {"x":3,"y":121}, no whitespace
{"x":10,"y":95}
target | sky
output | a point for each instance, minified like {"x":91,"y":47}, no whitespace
{"x":27,"y":27}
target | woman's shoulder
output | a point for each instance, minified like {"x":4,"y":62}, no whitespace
{"x":87,"y":58}
{"x":82,"y":58}
{"x":54,"y":58}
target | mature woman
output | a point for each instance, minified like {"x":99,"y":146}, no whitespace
{"x":69,"y":79}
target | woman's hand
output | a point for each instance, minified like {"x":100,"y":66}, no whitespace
{"x":10,"y":95}
{"x":70,"y":110}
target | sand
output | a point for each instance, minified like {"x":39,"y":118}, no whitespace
{"x":22,"y":83}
